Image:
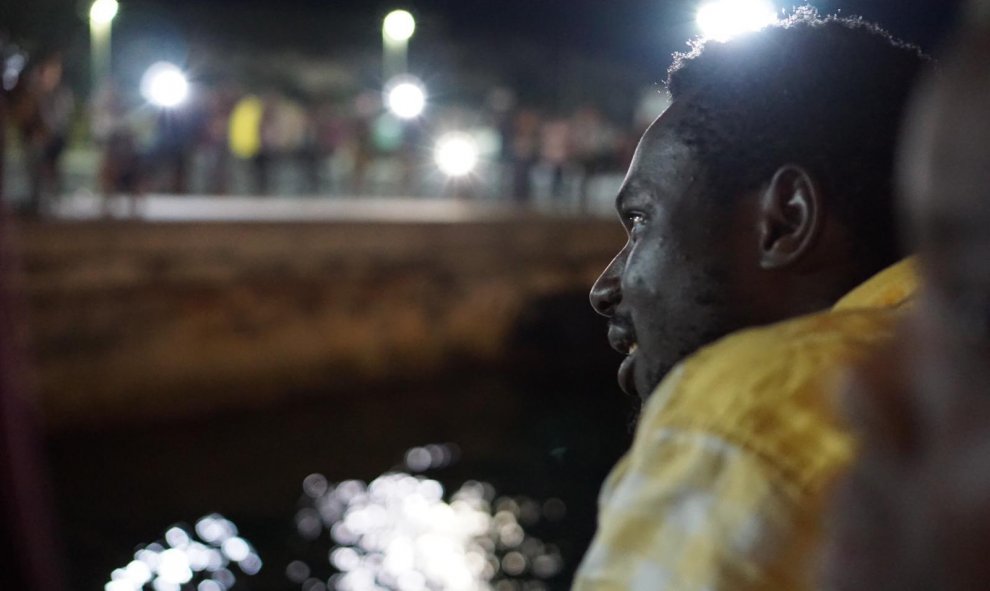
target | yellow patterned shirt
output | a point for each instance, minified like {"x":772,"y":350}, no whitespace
{"x":724,"y":485}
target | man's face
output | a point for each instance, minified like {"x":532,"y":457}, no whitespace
{"x":668,"y":291}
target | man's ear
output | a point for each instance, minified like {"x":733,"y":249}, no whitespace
{"x":790,"y":217}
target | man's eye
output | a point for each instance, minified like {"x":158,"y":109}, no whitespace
{"x":635,"y":218}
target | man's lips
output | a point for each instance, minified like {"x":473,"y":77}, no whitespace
{"x":624,"y":341}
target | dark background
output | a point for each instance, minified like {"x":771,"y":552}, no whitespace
{"x":542,"y":418}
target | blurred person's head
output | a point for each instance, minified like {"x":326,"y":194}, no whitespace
{"x":50,"y":71}
{"x":912,"y":514}
{"x":945,"y":181}
{"x":763,"y":192}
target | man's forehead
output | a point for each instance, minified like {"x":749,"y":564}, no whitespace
{"x":662,"y":151}
{"x":664,"y":128}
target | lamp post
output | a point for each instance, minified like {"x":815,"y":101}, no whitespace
{"x":397,"y":28}
{"x":101,"y":15}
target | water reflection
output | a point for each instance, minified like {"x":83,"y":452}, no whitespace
{"x":202,"y":558}
{"x":404,"y":532}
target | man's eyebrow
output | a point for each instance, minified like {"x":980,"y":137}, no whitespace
{"x":632,"y":189}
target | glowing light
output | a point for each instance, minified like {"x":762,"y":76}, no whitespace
{"x":315,"y":485}
{"x":297,"y":571}
{"x":418,"y":459}
{"x":200,"y":557}
{"x":401,"y":532}
{"x":177,"y":537}
{"x":174,"y":567}
{"x":308,"y":522}
{"x":138,"y":573}
{"x":345,"y":559}
{"x":251,"y":565}
{"x":399,"y":26}
{"x":722,"y":20}
{"x":236,"y":549}
{"x":102,"y":12}
{"x":164,"y":85}
{"x":405,"y":97}
{"x":456,"y":154}
{"x":189,"y":563}
{"x":215,"y":529}
{"x":514,"y":563}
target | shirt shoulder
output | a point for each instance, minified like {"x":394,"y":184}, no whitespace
{"x":767,"y":390}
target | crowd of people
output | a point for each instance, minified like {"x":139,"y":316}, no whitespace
{"x":228,"y":140}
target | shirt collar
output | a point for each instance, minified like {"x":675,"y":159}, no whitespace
{"x":889,"y":288}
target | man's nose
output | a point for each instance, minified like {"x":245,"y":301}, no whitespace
{"x":605,"y":293}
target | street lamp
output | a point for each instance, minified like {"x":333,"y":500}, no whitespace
{"x":722,"y":20}
{"x":164,"y":85}
{"x":456,"y":154}
{"x":405,"y":97}
{"x":101,"y":15}
{"x":397,"y":28}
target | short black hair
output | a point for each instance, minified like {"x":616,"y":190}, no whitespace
{"x":825,"y":93}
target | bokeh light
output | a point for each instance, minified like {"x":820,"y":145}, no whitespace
{"x":405,"y":97}
{"x":164,"y":85}
{"x":403,"y":532}
{"x":399,"y":25}
{"x":102,"y":12}
{"x":456,"y":154}
{"x":722,"y":20}
{"x":185,"y":562}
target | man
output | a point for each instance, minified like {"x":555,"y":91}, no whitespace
{"x":763,"y":193}
{"x":913,"y":512}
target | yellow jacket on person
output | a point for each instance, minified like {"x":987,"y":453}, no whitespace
{"x":734,"y":455}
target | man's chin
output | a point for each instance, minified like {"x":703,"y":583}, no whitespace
{"x":644,"y":387}
{"x":626,"y":376}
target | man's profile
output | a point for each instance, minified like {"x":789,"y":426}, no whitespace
{"x":764,"y":193}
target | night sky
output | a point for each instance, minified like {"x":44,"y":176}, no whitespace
{"x":637,"y":32}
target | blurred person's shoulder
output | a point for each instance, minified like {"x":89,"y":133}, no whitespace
{"x":768,"y":390}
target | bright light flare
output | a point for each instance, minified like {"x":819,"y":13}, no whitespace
{"x":102,"y":12}
{"x":399,"y":26}
{"x":722,"y":20}
{"x":456,"y":154}
{"x":405,"y":97}
{"x":164,"y":85}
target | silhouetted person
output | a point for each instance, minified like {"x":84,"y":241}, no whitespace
{"x":524,"y":146}
{"x":121,"y":165}
{"x":43,"y":113}
{"x":214,"y":140}
{"x":177,"y":132}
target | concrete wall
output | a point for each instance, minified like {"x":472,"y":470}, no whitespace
{"x":130,"y":321}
